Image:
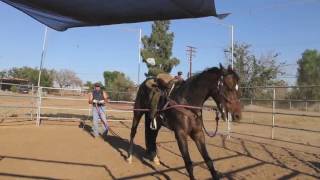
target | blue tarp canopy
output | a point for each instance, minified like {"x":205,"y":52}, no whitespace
{"x":63,"y":14}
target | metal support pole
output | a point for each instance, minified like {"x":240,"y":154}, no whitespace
{"x":139,"y":56}
{"x":32,"y":101}
{"x":273,"y":112}
{"x":39,"y":105}
{"x":232,"y":47}
{"x":252,"y":119}
{"x":228,"y":124}
{"x":306,"y":105}
{"x":44,"y":47}
{"x":290,"y":104}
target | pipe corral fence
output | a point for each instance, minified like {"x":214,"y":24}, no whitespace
{"x":270,"y":107}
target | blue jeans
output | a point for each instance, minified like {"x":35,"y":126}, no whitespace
{"x":96,"y":119}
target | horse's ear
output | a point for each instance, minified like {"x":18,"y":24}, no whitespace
{"x":230,"y":68}
{"x":221,"y":67}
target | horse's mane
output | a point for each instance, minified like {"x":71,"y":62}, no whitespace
{"x":198,"y":74}
{"x":188,"y":82}
{"x":215,"y":70}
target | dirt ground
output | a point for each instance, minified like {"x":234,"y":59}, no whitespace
{"x":62,"y":150}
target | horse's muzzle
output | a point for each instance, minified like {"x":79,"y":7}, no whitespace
{"x":236,"y":116}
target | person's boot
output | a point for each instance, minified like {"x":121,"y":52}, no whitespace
{"x":105,"y":134}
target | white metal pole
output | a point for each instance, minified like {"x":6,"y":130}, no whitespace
{"x":32,"y":102}
{"x":229,"y":124}
{"x":44,"y":47}
{"x":273,"y":112}
{"x":39,"y":106}
{"x":139,"y":63}
{"x":232,"y":46}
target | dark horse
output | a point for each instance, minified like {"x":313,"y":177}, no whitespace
{"x":219,"y":83}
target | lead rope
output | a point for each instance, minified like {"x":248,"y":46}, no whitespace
{"x":210,"y":133}
{"x":100,"y":117}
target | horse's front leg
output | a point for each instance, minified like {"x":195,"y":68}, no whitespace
{"x":198,"y":137}
{"x":181,"y":136}
{"x":135,"y":122}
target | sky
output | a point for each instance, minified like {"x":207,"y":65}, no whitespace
{"x":287,"y":27}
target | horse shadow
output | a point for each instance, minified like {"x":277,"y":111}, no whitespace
{"x":118,"y":143}
{"x":87,"y":128}
{"x":121,"y":145}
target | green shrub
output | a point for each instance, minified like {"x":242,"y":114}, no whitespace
{"x":13,"y":89}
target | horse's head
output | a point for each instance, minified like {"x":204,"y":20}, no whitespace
{"x":227,"y":98}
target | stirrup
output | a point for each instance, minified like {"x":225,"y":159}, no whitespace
{"x":153,"y":124}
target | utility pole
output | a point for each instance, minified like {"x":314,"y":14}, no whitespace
{"x":191,"y":54}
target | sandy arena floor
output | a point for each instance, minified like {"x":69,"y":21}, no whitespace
{"x":62,"y":150}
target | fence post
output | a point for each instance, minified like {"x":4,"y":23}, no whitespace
{"x":273,"y":112}
{"x":39,"y":106}
{"x":306,"y":105}
{"x":290,"y":104}
{"x":32,"y":102}
{"x":228,"y":124}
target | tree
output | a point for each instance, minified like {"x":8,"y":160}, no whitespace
{"x":309,"y":74}
{"x":32,"y":74}
{"x":121,"y":87}
{"x":89,"y":84}
{"x":67,"y":78}
{"x":159,"y":46}
{"x":3,"y":74}
{"x":254,"y":71}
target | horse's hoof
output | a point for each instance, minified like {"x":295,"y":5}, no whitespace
{"x":129,"y":160}
{"x":156,"y":160}
{"x":217,"y":175}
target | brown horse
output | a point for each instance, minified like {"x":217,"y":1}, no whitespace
{"x":219,"y":83}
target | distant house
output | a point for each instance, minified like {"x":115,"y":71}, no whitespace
{"x":8,"y":83}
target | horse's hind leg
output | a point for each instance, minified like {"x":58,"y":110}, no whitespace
{"x":135,"y":122}
{"x":151,"y":140}
{"x":183,"y":147}
{"x":198,"y":138}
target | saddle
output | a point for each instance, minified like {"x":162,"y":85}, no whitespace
{"x":164,"y":80}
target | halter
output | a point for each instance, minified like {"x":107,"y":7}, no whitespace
{"x":221,"y":88}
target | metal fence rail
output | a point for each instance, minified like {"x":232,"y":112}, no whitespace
{"x":274,"y":106}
